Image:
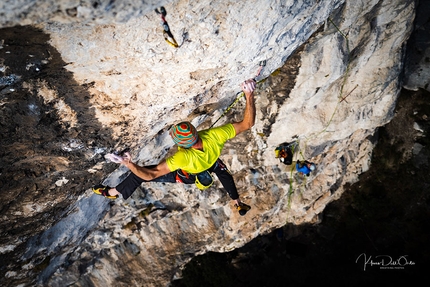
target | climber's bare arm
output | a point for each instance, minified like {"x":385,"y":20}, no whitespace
{"x":145,"y":172}
{"x":248,"y":120}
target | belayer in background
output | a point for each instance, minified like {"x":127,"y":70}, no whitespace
{"x":197,"y":157}
{"x":305,"y":167}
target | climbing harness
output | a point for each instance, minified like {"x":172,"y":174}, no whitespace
{"x":202,"y":180}
{"x":166,"y":29}
{"x":240,"y":94}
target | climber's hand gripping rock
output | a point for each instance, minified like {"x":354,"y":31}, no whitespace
{"x":248,"y":87}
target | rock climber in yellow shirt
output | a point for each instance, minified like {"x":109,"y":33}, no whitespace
{"x":197,"y":157}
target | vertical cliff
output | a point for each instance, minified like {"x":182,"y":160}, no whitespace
{"x":90,"y":78}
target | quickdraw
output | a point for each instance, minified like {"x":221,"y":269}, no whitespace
{"x":168,"y":36}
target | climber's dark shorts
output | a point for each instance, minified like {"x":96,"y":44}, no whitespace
{"x":129,"y":185}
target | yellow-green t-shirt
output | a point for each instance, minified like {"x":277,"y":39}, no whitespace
{"x":194,"y":160}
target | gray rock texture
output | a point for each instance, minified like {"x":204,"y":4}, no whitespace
{"x":106,"y":79}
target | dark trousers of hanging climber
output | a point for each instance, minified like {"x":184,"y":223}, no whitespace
{"x":129,"y":185}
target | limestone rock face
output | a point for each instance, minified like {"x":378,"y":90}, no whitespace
{"x":27,"y":12}
{"x":107,"y":79}
{"x":417,"y":71}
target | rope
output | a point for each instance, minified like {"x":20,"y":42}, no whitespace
{"x":345,"y":77}
{"x":240,"y":94}
{"x":340,"y":99}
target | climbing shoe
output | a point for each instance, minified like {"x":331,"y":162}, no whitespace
{"x":103,"y":191}
{"x":242,"y":208}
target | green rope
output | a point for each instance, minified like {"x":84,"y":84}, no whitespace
{"x":239,"y":95}
{"x":344,"y":78}
{"x":290,"y":191}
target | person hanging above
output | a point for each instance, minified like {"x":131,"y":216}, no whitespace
{"x":305,"y":167}
{"x":285,"y":152}
{"x":197,"y":157}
